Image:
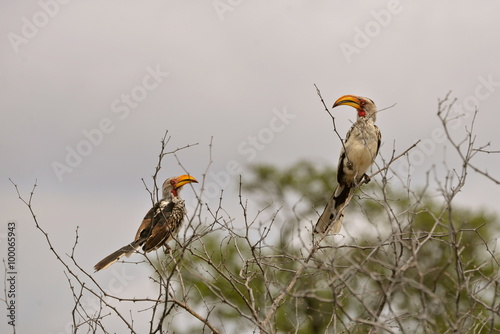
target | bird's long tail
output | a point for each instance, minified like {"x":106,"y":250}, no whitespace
{"x":331,"y":219}
{"x":115,"y":256}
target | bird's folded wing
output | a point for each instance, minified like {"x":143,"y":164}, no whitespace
{"x":163,"y":226}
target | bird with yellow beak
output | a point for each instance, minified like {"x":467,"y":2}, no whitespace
{"x":160,"y":225}
{"x":358,"y":153}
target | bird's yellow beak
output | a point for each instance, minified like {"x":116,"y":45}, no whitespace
{"x":348,"y":100}
{"x":184,"y":179}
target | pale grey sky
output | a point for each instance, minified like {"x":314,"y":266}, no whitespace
{"x":88,"y":89}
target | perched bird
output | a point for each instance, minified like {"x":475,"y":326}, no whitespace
{"x":360,"y":148}
{"x":159,"y":226}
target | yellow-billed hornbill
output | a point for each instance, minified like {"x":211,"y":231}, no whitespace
{"x":159,"y":226}
{"x":360,"y":148}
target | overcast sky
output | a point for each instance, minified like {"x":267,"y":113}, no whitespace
{"x":88,"y":88}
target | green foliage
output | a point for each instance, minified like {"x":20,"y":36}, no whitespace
{"x":431,"y":268}
{"x":304,"y":179}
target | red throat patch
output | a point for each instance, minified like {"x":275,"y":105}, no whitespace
{"x":361,"y":113}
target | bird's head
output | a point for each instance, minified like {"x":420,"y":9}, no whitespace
{"x":364,"y":106}
{"x":172,"y":185}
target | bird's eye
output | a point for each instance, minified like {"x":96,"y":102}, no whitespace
{"x":172,"y":182}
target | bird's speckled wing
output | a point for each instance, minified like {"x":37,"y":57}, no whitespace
{"x":165,"y":225}
{"x":379,"y":138}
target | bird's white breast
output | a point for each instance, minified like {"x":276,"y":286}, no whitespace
{"x":361,"y":149}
